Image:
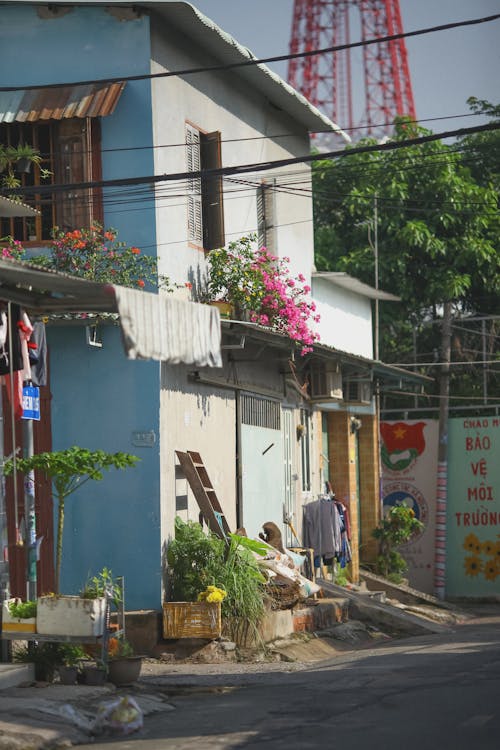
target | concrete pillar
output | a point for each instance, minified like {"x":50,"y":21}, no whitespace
{"x":342,"y":455}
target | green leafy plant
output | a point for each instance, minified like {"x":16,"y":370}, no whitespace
{"x":198,"y":560}
{"x":103,"y":584}
{"x":68,"y":470}
{"x":71,"y":654}
{"x":396,"y":528}
{"x":48,"y":656}
{"x":22,"y":610}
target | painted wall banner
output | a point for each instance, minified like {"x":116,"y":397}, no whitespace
{"x":473,"y":507}
{"x":409,"y":465}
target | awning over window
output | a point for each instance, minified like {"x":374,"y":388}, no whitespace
{"x":93,"y":100}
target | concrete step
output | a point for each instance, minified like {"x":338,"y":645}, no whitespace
{"x":12,"y":675}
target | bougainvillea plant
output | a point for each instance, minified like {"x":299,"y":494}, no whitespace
{"x":259,"y":283}
{"x":95,"y":254}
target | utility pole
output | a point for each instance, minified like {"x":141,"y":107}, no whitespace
{"x":442,"y":472}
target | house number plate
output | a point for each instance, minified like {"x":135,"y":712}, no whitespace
{"x":144,"y":439}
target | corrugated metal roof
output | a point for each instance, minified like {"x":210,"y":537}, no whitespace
{"x":94,"y":100}
{"x":10,"y":208}
{"x":339,"y":278}
{"x":225,"y":48}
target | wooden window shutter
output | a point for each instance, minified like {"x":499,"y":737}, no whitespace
{"x":266,"y":210}
{"x":212,"y":192}
{"x":76,"y":162}
{"x":193,"y":162}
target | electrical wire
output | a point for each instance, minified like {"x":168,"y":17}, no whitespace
{"x":261,"y":61}
{"x":248,"y":168}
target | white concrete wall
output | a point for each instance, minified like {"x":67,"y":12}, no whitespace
{"x":196,"y":418}
{"x":346,"y":318}
{"x":222,"y":102}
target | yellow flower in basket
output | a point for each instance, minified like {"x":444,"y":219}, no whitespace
{"x":212,"y":594}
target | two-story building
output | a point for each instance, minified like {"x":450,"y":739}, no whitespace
{"x":126,"y":101}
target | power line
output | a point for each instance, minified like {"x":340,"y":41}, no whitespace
{"x":248,"y":168}
{"x":263,"y":60}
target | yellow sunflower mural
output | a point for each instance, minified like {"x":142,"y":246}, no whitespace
{"x":491,"y":569}
{"x":473,"y":566}
{"x":472,"y":544}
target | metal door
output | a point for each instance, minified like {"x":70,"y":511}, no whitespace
{"x":261,"y":451}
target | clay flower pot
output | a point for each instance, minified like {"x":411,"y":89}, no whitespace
{"x":124,"y":670}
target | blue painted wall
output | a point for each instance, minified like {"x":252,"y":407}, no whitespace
{"x":99,"y":397}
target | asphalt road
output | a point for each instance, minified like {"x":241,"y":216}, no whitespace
{"x":440,"y":691}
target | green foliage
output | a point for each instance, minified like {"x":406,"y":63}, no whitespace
{"x":341,"y":577}
{"x":22,"y":610}
{"x":198,"y":560}
{"x":397,"y":527}
{"x":68,"y":470}
{"x":9,"y":158}
{"x":48,"y":656}
{"x":97,"y":255}
{"x":437,"y":236}
{"x":101,"y":584}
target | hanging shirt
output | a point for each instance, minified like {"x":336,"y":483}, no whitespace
{"x":321,"y":528}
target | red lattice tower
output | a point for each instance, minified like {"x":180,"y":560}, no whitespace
{"x":327,"y":80}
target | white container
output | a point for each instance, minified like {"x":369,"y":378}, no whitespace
{"x":70,"y":615}
{"x":12,"y":624}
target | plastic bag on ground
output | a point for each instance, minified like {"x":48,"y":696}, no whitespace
{"x":120,"y":716}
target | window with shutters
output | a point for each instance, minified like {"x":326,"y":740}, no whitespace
{"x":266,"y":209}
{"x":205,"y":193}
{"x":70,"y":150}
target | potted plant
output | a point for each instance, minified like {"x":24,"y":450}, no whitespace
{"x":214,"y":586}
{"x":124,"y":666}
{"x":19,"y":616}
{"x":46,"y":657}
{"x":71,"y":656}
{"x":15,"y":160}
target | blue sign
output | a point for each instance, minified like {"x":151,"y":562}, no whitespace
{"x":31,"y":402}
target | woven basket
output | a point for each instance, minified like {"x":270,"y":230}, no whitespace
{"x":192,"y":620}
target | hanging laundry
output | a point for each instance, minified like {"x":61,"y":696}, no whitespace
{"x":37,"y":346}
{"x":345,"y":534}
{"x":10,"y":345}
{"x":321,"y":528}
{"x":11,"y":358}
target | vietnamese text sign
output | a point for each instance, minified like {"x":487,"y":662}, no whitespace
{"x":473,"y":507}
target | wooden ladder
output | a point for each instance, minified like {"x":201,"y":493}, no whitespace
{"x":199,"y":481}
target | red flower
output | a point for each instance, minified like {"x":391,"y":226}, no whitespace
{"x":140,"y":283}
{"x":135,"y":250}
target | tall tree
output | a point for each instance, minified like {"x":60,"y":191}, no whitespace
{"x":436,"y":230}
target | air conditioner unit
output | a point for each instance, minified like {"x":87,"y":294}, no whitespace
{"x":326,"y":383}
{"x":357,"y":391}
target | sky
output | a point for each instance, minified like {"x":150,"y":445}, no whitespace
{"x":446,"y":67}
